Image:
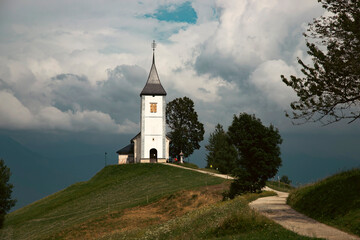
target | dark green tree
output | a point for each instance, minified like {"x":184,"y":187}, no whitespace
{"x":285,"y":179}
{"x":6,"y":203}
{"x":186,"y":132}
{"x":221,"y":154}
{"x":329,"y":91}
{"x":259,"y":153}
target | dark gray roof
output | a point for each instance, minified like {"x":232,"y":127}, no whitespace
{"x":129,"y":149}
{"x":153,"y":85}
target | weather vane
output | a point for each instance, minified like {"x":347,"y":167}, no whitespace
{"x":153,"y":45}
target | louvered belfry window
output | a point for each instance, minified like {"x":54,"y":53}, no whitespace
{"x":153,"y":107}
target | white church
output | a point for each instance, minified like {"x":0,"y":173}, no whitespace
{"x":150,"y":145}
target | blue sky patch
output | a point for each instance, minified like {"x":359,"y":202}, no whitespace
{"x":175,"y":13}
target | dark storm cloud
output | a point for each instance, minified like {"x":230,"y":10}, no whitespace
{"x":117,"y":96}
{"x":225,"y":67}
{"x":124,"y":83}
{"x":71,"y":102}
{"x":70,"y":91}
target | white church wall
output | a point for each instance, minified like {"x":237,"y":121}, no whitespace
{"x":124,"y":158}
{"x":153,"y":126}
{"x":153,"y":142}
{"x":167,"y":148}
{"x":154,"y":99}
{"x":137,"y":148}
{"x":153,"y":130}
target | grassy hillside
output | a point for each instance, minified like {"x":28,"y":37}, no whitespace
{"x":334,"y":200}
{"x":231,"y":219}
{"x":110,"y":191}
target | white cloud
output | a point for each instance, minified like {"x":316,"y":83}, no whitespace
{"x":14,"y":115}
{"x":234,"y":46}
{"x":267,"y":79}
{"x":91,"y":121}
{"x":251,"y":32}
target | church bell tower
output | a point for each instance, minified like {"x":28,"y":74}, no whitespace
{"x":154,"y":145}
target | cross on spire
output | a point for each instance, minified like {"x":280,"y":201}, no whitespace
{"x":153,"y":45}
{"x":153,"y":85}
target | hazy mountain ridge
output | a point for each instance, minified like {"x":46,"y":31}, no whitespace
{"x":35,"y":176}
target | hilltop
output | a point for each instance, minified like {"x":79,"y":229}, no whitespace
{"x":110,"y":191}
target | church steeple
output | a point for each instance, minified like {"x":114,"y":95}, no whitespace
{"x":153,"y":85}
{"x":151,"y":145}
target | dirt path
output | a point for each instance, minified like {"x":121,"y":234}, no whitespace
{"x":201,"y":171}
{"x":275,"y":208}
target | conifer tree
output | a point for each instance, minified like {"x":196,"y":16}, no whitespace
{"x":221,"y":154}
{"x":6,"y":203}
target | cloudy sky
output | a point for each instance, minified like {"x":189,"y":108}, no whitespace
{"x":75,"y":67}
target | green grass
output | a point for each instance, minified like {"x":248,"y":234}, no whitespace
{"x":231,"y":219}
{"x":112,"y":189}
{"x":334,"y":201}
{"x":279,"y":186}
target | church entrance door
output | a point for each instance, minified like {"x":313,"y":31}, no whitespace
{"x":153,"y":155}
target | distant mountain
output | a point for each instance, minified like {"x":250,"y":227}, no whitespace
{"x":35,"y":176}
{"x":32,"y":174}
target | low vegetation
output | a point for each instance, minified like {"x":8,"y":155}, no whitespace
{"x":279,"y":186}
{"x":334,"y":201}
{"x":108,"y":193}
{"x":231,"y":219}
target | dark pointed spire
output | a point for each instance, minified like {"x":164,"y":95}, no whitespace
{"x":153,"y":85}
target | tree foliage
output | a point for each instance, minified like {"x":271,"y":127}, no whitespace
{"x":330,"y":88}
{"x":221,"y":153}
{"x":6,"y":203}
{"x":259,"y":153}
{"x":285,"y":179}
{"x":186,"y":130}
